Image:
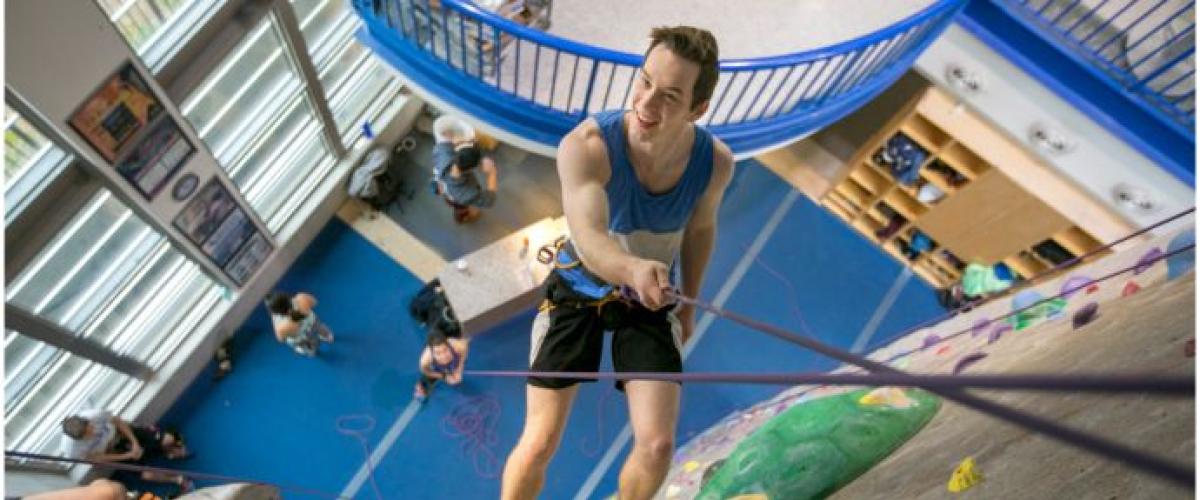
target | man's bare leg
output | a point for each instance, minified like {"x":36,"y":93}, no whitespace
{"x":546,"y":412}
{"x":653,"y":411}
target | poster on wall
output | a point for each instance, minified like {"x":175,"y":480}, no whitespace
{"x":205,"y":213}
{"x":223,"y":231}
{"x":155,"y":158}
{"x":229,"y":237}
{"x":249,"y":259}
{"x":114,"y":114}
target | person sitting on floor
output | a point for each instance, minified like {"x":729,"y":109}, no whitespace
{"x":100,"y":436}
{"x":296,"y":324}
{"x":454,"y":165}
{"x":442,"y":359}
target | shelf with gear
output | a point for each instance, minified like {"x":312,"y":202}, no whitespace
{"x":938,"y":188}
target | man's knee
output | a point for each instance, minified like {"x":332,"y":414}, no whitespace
{"x":656,"y":447}
{"x":537,"y":449}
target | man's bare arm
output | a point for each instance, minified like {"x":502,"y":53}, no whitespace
{"x":585,"y":204}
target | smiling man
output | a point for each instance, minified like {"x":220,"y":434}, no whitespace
{"x":641,"y":188}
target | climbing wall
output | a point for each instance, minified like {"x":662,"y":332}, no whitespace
{"x":1069,"y":324}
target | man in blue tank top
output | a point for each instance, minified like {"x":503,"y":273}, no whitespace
{"x":641,"y":187}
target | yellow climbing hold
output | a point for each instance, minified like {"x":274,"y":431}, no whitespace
{"x":965,"y":476}
{"x":889,"y":396}
{"x":751,"y":496}
{"x":691,"y":465}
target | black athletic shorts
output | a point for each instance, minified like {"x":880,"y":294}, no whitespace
{"x":569,"y":337}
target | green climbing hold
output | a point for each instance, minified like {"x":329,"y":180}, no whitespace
{"x":814,"y":448}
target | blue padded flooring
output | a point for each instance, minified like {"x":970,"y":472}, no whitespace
{"x":275,"y":418}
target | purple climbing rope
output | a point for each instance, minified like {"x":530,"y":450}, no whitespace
{"x":474,"y":420}
{"x":190,"y":474}
{"x":346,"y":425}
{"x":601,"y":412}
{"x":804,"y":326}
{"x":1147,"y":383}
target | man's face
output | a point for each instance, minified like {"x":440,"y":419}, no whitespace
{"x":662,"y":94}
{"x":89,"y":430}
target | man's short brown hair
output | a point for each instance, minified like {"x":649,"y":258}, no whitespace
{"x":696,"y":45}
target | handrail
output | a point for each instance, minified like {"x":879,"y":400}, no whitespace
{"x":765,"y":62}
{"x":1163,"y":84}
{"x":538,"y":86}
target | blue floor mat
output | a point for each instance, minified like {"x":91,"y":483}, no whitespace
{"x":274,"y":418}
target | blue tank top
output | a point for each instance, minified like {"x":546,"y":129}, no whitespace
{"x":650,"y":225}
{"x":445,"y":369}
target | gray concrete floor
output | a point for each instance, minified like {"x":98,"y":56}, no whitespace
{"x":528,"y":191}
{"x":1144,"y":333}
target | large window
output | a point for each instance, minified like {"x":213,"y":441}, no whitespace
{"x":99,"y":281}
{"x":44,"y":384}
{"x":108,"y":277}
{"x":30,"y":161}
{"x":358,"y":86}
{"x":157,"y":28}
{"x":254,"y":114}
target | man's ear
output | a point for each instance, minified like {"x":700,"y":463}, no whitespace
{"x":699,"y":110}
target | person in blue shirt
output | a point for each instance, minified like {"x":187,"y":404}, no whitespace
{"x":641,"y":188}
{"x":456,"y":165}
{"x":442,"y":359}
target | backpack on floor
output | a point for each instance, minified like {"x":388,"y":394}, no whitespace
{"x":378,"y":181}
{"x":430,"y":308}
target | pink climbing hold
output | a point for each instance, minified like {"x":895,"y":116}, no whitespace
{"x":1130,"y":289}
{"x":943,"y":351}
{"x":968,"y":360}
{"x":1093,"y":289}
{"x":1085,"y":315}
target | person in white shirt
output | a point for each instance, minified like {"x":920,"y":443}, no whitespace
{"x":100,"y":436}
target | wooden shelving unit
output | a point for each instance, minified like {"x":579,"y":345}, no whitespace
{"x":981,"y":215}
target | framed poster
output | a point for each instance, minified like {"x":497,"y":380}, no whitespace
{"x":249,"y":259}
{"x":205,"y":213}
{"x":155,"y":157}
{"x":114,"y":113}
{"x":229,"y":237}
{"x":224,"y":232}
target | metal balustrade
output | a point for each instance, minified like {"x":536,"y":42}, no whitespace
{"x":1146,"y":47}
{"x":538,"y":85}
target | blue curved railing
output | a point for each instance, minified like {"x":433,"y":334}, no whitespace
{"x":539,"y":86}
{"x":1143,"y":47}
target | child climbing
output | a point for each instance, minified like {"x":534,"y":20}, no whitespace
{"x":442,"y":358}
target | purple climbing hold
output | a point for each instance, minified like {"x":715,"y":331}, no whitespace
{"x":968,"y":360}
{"x":998,"y":332}
{"x":1075,"y":284}
{"x":980,"y":326}
{"x":1085,"y":315}
{"x":930,"y":341}
{"x":1144,"y":263}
